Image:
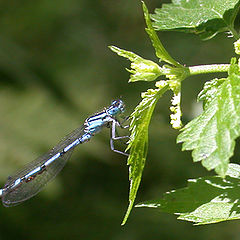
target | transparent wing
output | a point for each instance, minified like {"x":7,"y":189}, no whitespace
{"x":26,"y":190}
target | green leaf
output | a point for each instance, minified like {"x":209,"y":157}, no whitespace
{"x":138,"y":143}
{"x":212,"y":135}
{"x":205,"y":17}
{"x":161,"y":52}
{"x":141,"y":69}
{"x":205,"y":200}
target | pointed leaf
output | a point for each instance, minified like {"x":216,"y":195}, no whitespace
{"x":212,"y":135}
{"x":161,"y":52}
{"x":138,"y":143}
{"x":205,"y":200}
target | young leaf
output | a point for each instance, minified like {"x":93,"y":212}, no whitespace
{"x":138,"y":143}
{"x":161,"y":52}
{"x":141,"y":69}
{"x":205,"y":200}
{"x":212,"y":135}
{"x":205,"y":17}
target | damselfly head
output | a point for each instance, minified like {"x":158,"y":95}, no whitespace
{"x":116,"y":107}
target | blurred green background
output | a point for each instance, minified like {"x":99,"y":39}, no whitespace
{"x":55,"y":70}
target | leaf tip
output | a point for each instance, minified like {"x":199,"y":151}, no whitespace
{"x":130,"y":206}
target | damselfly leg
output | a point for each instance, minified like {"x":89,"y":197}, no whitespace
{"x":114,"y":136}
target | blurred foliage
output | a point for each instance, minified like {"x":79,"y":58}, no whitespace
{"x":55,"y":70}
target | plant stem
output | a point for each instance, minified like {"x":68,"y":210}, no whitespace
{"x":201,"y":69}
{"x":234,"y":33}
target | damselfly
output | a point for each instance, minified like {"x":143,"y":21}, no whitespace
{"x":34,"y":176}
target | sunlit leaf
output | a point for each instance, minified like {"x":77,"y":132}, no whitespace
{"x":212,"y":134}
{"x":205,"y":17}
{"x":138,"y":143}
{"x":205,"y":200}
